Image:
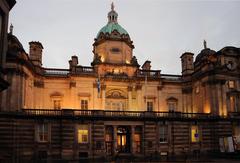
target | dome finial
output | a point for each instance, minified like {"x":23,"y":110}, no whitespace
{"x":112,"y":15}
{"x":112,"y":6}
{"x":205,"y":44}
{"x":11,"y":29}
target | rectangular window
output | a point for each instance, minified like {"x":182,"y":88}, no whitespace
{"x":137,"y":140}
{"x":163,"y":134}
{"x":172,"y":106}
{"x":233,"y":103}
{"x":149,"y":106}
{"x":82,"y":134}
{"x":231,"y":84}
{"x":84,"y":104}
{"x":42,"y":132}
{"x":57,"y":104}
{"x":195,"y":134}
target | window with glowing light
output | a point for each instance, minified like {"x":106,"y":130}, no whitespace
{"x":195,"y":134}
{"x":231,"y":84}
{"x":84,"y":104}
{"x":233,"y":103}
{"x":82,"y":134}
{"x":43,"y":132}
{"x":137,"y":139}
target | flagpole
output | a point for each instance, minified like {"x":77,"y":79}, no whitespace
{"x":98,"y":85}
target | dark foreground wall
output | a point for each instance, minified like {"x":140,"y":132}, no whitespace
{"x":23,"y":137}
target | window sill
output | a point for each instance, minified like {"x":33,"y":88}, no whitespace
{"x":163,"y":142}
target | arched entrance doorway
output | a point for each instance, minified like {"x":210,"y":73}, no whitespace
{"x":123,"y":139}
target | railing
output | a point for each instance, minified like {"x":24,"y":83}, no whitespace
{"x":113,"y":114}
{"x":56,"y":72}
{"x":171,"y":77}
{"x":149,"y":73}
{"x":42,"y":112}
{"x":84,"y":70}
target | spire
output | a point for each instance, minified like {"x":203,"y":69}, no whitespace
{"x":112,"y":6}
{"x":11,"y":29}
{"x":112,"y":15}
{"x":205,"y":44}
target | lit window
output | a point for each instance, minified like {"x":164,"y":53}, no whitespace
{"x":231,"y":84}
{"x":42,"y":132}
{"x":195,"y":134}
{"x":84,"y":104}
{"x":56,"y":104}
{"x":233,"y":104}
{"x":149,"y":106}
{"x":197,"y":89}
{"x":163,"y":134}
{"x":83,"y":134}
{"x":137,"y":140}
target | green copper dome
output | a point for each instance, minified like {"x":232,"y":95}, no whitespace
{"x":112,"y":24}
{"x":110,"y":27}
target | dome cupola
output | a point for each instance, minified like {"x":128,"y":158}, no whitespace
{"x":113,"y":30}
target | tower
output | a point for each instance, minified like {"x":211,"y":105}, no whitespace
{"x":35,"y":53}
{"x":187,"y":63}
{"x":113,"y":48}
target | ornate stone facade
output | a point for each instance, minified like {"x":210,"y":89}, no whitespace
{"x":114,"y":107}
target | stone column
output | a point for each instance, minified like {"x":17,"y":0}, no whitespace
{"x":130,"y":98}
{"x":139,"y":97}
{"x":224,"y":100}
{"x":74,"y":99}
{"x":103,"y":88}
{"x":115,"y":140}
{"x":159,"y":88}
{"x":133,"y":145}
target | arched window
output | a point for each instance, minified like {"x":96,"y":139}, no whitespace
{"x":116,"y":100}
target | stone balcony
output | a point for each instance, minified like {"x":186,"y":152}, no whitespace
{"x":116,"y":115}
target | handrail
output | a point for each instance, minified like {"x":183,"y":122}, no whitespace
{"x":111,"y":113}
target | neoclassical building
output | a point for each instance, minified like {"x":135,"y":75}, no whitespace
{"x":115,"y":107}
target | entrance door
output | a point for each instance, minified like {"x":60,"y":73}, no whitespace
{"x":123,"y":140}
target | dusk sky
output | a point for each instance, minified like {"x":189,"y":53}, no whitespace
{"x":161,"y":30}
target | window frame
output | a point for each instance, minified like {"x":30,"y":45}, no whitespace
{"x":81,"y":131}
{"x":231,"y":84}
{"x":150,"y":106}
{"x":163,"y":135}
{"x":58,"y":102}
{"x":192,"y":134}
{"x":41,"y":128}
{"x":172,"y":102}
{"x":84,"y":104}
